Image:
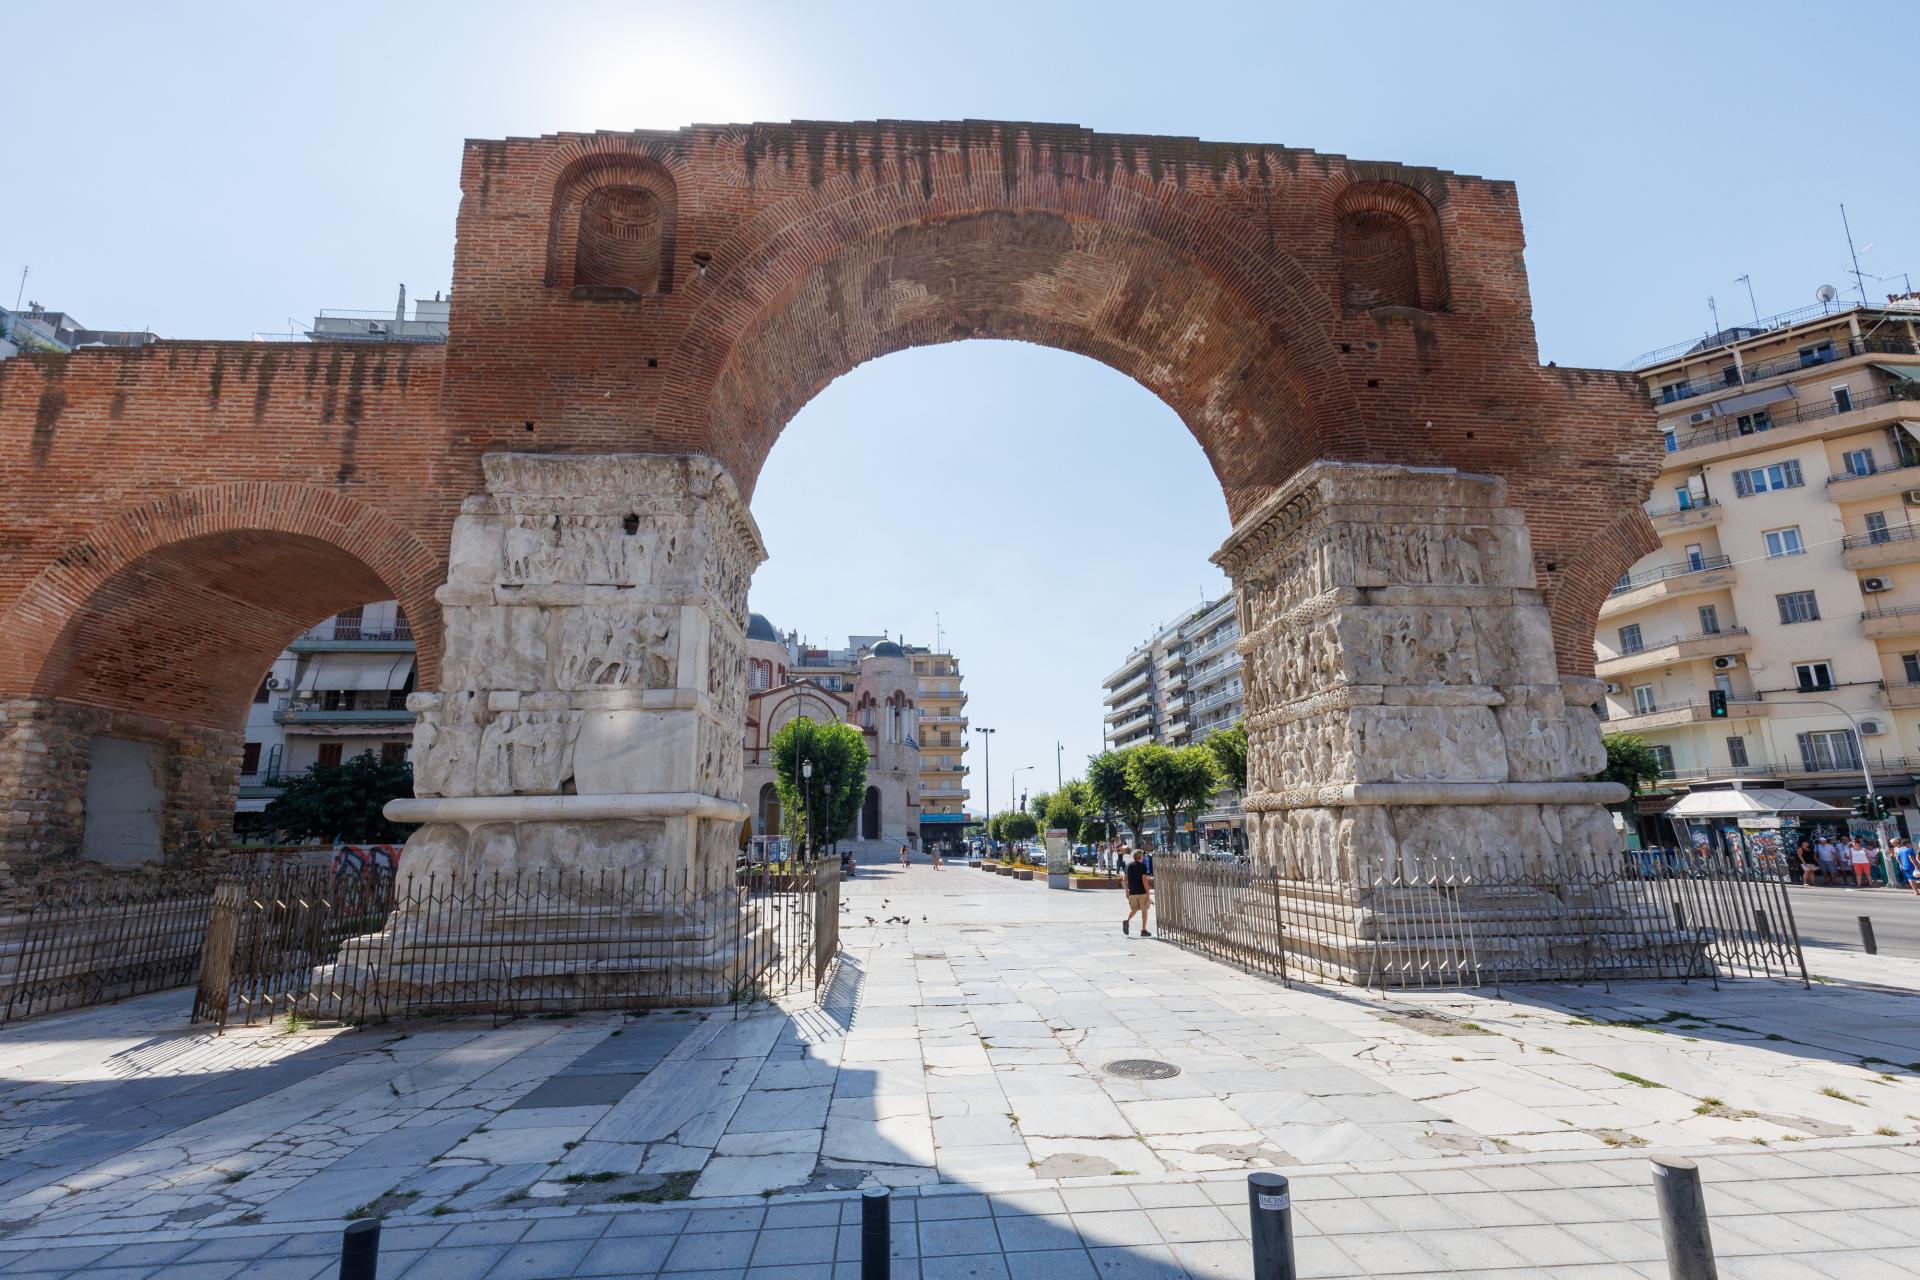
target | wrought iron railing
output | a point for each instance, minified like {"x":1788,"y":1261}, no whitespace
{"x":1822,"y":353}
{"x":1879,"y":537}
{"x":1787,"y":415}
{"x":1698,"y":504}
{"x":99,"y":941}
{"x":1647,"y":577}
{"x":1648,"y":645}
{"x":1461,"y":926}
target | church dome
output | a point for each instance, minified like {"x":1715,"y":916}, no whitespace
{"x":758,"y":628}
{"x":888,"y":649}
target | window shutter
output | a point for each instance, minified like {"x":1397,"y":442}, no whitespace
{"x":1806,"y":751}
{"x":1743,"y":484}
{"x":1792,"y":469}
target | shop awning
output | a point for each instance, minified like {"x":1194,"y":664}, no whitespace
{"x":1747,"y":802}
{"x":1911,"y":372}
{"x":356,"y":671}
{"x":1752,"y":400}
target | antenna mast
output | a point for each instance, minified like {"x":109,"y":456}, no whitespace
{"x":1857,"y":282}
{"x":22,"y":292}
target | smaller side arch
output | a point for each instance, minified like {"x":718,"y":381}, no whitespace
{"x":612,"y":227}
{"x":1391,"y":252}
{"x":1578,"y":589}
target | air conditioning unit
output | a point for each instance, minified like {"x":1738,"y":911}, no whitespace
{"x":1911,"y":497}
{"x":279,"y":684}
{"x":1875,"y":584}
{"x":1613,"y":687}
{"x":1872,"y":728}
{"x":376,"y":326}
{"x":1726,"y":663}
{"x":1696,"y":419}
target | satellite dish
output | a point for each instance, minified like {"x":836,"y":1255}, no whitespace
{"x":1826,"y":293}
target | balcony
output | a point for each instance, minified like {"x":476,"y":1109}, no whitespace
{"x":1899,"y":544}
{"x":1885,"y":769}
{"x":1904,"y":693}
{"x":1216,"y":699}
{"x":1138,"y":661}
{"x":1214,"y":616}
{"x":290,"y":715}
{"x":930,"y":695}
{"x":927,"y":767}
{"x":1230,"y":636}
{"x":1830,"y":353}
{"x":1881,"y":482}
{"x":942,"y":717}
{"x":1697,"y":515}
{"x":1668,"y":715}
{"x":1802,"y":420}
{"x":1175,"y":679}
{"x":353,"y":640}
{"x":1138,"y":682}
{"x":1142,"y":719}
{"x":1637,"y":590}
{"x":1901,"y":620}
{"x":1665,"y":653}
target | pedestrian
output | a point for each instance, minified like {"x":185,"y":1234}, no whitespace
{"x":903,"y":853}
{"x":1903,"y":855}
{"x":1139,"y":894}
{"x":933,"y":851}
{"x":1862,"y":863}
{"x":1823,"y":849}
{"x":1809,"y":863}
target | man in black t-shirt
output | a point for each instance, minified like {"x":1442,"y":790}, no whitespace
{"x":1139,"y":889}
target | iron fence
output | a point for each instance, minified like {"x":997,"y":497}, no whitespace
{"x":1682,"y":917}
{"x":100,"y":941}
{"x":372,"y":947}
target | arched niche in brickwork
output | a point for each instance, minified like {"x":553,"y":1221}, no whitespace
{"x":612,"y":230}
{"x":1169,"y":289}
{"x":1390,"y":248}
{"x":177,"y":607}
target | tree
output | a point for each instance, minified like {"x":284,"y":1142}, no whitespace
{"x":1229,"y":750}
{"x":1107,"y":781}
{"x":1630,"y":762}
{"x":1094,"y":830}
{"x":832,"y":797}
{"x":1017,"y":825}
{"x":1037,"y":805}
{"x":1173,"y":781}
{"x":343,"y":802}
{"x":1064,"y":815}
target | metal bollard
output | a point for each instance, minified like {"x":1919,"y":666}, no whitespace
{"x":1760,"y":923}
{"x":876,"y":1233}
{"x":1868,"y":942}
{"x":1270,"y":1209}
{"x":360,"y":1250}
{"x":1683,"y":1219}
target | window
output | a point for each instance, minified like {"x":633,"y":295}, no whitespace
{"x":1860,"y":462}
{"x":1630,"y":639}
{"x":250,"y":758}
{"x":260,"y":694}
{"x":1813,"y":676}
{"x":1696,"y":557}
{"x":1709,"y":620}
{"x":1781,"y":475}
{"x":393,"y":752}
{"x":1750,"y":423}
{"x":1798,"y":606}
{"x":1842,"y":399}
{"x":1664,"y":755}
{"x":1643,"y":699}
{"x":1832,"y":749}
{"x":1675,"y":391}
{"x":1730,"y":376}
{"x":1877,"y":527}
{"x":1672,"y":442}
{"x":1910,"y":663}
{"x":759,"y":674}
{"x":329,"y":753}
{"x":1737,"y":752}
{"x":1784,"y":542}
{"x":1818,"y":354}
{"x":1683,"y":497}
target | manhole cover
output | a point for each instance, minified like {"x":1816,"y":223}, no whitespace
{"x":1142,"y":1069}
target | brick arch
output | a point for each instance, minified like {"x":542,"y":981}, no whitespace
{"x":175,"y":608}
{"x":1375,"y":220}
{"x":602,"y":165}
{"x":1577,"y":590}
{"x":1167,"y":287}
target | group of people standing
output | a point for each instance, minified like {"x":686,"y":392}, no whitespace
{"x":1831,"y":857}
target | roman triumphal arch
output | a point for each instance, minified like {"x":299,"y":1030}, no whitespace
{"x":1425,"y":518}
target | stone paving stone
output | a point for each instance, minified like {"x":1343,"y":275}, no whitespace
{"x":625,"y":1256}
{"x":484,"y":1233}
{"x":581,"y":1227}
{"x":711,"y":1250}
{"x":946,"y":1237}
{"x":447,"y":1263}
{"x":540,"y":1261}
{"x":976,"y":1266}
{"x":1054,"y":1264}
{"x":781,"y":1245}
{"x":647,"y":1222}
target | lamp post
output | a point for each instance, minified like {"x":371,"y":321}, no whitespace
{"x":806,"y":802}
{"x":1058,"y":781}
{"x":1012,"y":793}
{"x":986,"y":822}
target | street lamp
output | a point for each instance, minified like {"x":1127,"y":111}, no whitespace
{"x":806,"y":802}
{"x":987,"y":822}
{"x":1011,"y":805}
{"x":1058,"y":782}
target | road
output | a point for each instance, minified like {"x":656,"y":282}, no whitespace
{"x":1829,"y":917}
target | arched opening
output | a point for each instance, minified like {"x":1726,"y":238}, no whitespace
{"x":767,"y":811}
{"x":870,"y":815}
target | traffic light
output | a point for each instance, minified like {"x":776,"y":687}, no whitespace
{"x":1717,"y":704}
{"x":1871,"y":808}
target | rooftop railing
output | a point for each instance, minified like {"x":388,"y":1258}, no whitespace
{"x":1745,"y":333}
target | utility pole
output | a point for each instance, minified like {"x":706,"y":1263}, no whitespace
{"x":22,"y":291}
{"x":987,"y":821}
{"x":1058,"y":781}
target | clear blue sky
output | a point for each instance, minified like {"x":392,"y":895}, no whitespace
{"x":210,"y":171}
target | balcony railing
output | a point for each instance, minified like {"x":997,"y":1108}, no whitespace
{"x":1706,"y":343}
{"x":1879,"y":537}
{"x":1893,"y":611}
{"x":1719,"y":380}
{"x":1648,"y":645}
{"x":1638,"y":709}
{"x":1213,"y":646}
{"x":1647,"y":577}
{"x":1882,"y":767}
{"x":1841,"y":477}
{"x":1787,"y":415}
{"x":1699,"y":504}
{"x":1214,"y":700}
{"x":375,"y":708}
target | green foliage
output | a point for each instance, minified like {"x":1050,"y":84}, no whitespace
{"x":1064,"y":815}
{"x":1173,"y":781}
{"x":1630,"y":762}
{"x":343,"y":801}
{"x":1037,"y":806}
{"x":1094,"y":830}
{"x":835,"y":792}
{"x":1229,"y":750}
{"x":1018,"y":825}
{"x":1112,"y":792}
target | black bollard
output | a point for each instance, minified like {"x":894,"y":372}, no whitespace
{"x":360,"y":1250}
{"x":1760,"y":924}
{"x":1683,"y":1219}
{"x":1867,"y":940}
{"x":1270,"y":1208}
{"x":876,"y":1233}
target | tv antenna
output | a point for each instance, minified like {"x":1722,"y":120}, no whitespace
{"x":1748,"y":281}
{"x":1858,"y":283}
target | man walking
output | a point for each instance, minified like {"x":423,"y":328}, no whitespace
{"x":1139,"y":891}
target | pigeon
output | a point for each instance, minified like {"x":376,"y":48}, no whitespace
{"x":869,"y":919}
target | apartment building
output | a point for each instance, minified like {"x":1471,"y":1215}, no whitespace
{"x":943,"y":748}
{"x":1788,"y":577}
{"x":338,"y":691}
{"x":39,"y":330}
{"x":1180,"y":687}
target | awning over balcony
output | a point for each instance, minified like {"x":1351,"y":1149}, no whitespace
{"x":357,"y":671}
{"x":1911,"y":372}
{"x":1752,"y":400}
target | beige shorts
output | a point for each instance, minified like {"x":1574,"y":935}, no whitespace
{"x":1136,"y":902}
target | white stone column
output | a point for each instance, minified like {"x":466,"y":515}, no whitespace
{"x":1405,"y":715}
